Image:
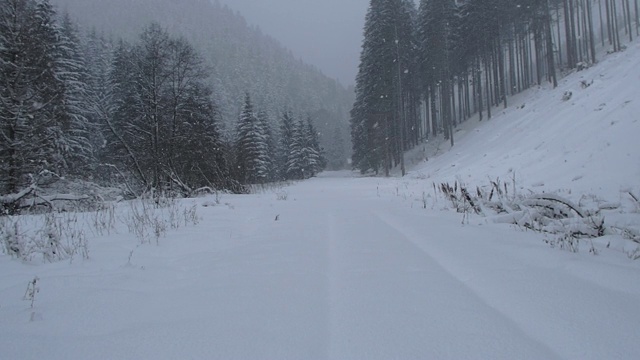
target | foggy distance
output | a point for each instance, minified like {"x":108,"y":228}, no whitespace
{"x":327,"y":34}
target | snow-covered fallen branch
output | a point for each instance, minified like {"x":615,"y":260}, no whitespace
{"x":549,"y":213}
{"x":546,"y":199}
{"x":48,"y":200}
{"x":14,"y":198}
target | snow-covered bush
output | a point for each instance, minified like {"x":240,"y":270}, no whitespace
{"x":546,"y":212}
{"x":12,"y":236}
{"x":104,"y":219}
{"x":149,"y":219}
{"x":282,"y":195}
{"x":54,"y":236}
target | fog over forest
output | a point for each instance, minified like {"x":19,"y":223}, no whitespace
{"x":327,"y":33}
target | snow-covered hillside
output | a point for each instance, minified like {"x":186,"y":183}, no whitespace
{"x":589,"y":144}
{"x":347,"y":267}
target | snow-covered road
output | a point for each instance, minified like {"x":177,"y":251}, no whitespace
{"x":353,"y":268}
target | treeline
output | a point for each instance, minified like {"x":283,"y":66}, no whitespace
{"x":138,"y":115}
{"x":261,"y":157}
{"x":424,"y":70}
{"x":240,"y":59}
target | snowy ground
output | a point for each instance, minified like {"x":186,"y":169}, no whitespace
{"x":344,"y":267}
{"x":586,"y":145}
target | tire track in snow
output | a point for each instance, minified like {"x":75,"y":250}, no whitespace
{"x":389,"y":299}
{"x":462,"y":277}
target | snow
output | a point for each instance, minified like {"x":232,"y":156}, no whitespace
{"x":348,"y":267}
{"x":588,"y":144}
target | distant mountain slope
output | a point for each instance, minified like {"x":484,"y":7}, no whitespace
{"x":586,"y":145}
{"x":242,"y":58}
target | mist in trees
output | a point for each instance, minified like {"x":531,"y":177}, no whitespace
{"x":240,"y":58}
{"x":140,"y":115}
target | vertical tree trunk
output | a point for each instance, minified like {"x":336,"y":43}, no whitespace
{"x":477,"y":83}
{"x":601,"y":22}
{"x":434,"y":114}
{"x":537,"y":45}
{"x":567,"y":34}
{"x":635,"y":4}
{"x":624,"y":17}
{"x":629,"y":20}
{"x":616,"y":32}
{"x":460,"y":101}
{"x":501,"y":69}
{"x":592,"y":41}
{"x":573,"y":27}
{"x":579,"y":35}
{"x":585,"y":30}
{"x":511,"y":68}
{"x":559,"y":35}
{"x":550,"y":59}
{"x":467,"y":96}
{"x":427,"y":116}
{"x":609,"y":25}
{"x":488,"y":87}
{"x":496,"y":76}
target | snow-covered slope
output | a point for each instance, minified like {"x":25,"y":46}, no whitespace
{"x":589,"y":144}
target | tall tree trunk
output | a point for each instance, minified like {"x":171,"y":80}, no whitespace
{"x":601,"y":22}
{"x":592,"y":41}
{"x":574,"y":38}
{"x":629,"y":20}
{"x":635,"y":4}
{"x":488,"y":87}
{"x":550,"y":59}
{"x":559,"y":35}
{"x":567,"y":33}
{"x":609,"y":25}
{"x":477,"y":83}
{"x":434,"y":111}
{"x":616,"y":32}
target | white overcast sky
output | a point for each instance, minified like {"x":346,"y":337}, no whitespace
{"x":324,"y":33}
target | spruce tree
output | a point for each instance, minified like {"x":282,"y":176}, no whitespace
{"x":270,"y":140}
{"x":296,"y":157}
{"x":317,"y":157}
{"x":33,"y":117}
{"x":74,"y":75}
{"x":251,"y":147}
{"x":287,"y":125}
{"x":378,"y":126}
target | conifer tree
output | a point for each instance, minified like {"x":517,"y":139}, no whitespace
{"x":287,"y":128}
{"x":74,"y":75}
{"x":270,"y":140}
{"x":379,"y":128}
{"x":317,"y":156}
{"x":296,"y":165}
{"x":34,"y":123}
{"x":251,"y":147}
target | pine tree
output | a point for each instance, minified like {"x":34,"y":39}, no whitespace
{"x":317,"y":158}
{"x":296,"y":159}
{"x":33,"y":118}
{"x":287,"y":127}
{"x":270,"y":140}
{"x":336,"y":155}
{"x":378,"y":119}
{"x":74,"y":75}
{"x":437,"y":36}
{"x":99,"y":60}
{"x":251,"y":147}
